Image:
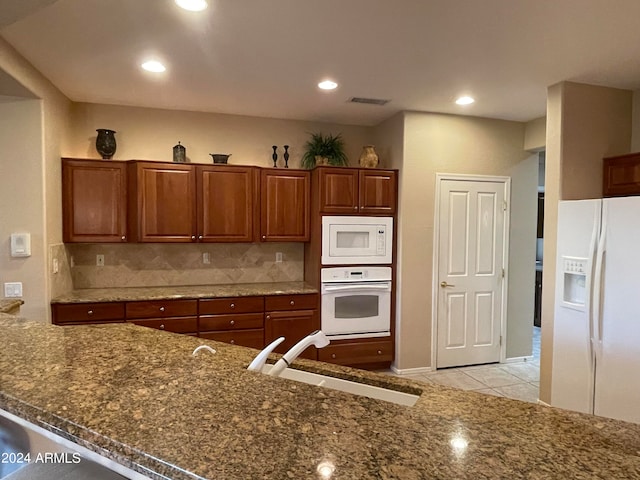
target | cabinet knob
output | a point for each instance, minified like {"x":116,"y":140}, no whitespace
{"x":379,"y":352}
{"x":232,"y":341}
{"x":193,"y":237}
{"x":333,"y":355}
{"x":162,"y":327}
{"x":123,"y":238}
{"x":233,"y":305}
{"x":264,"y":237}
{"x":292,"y":303}
{"x":90,"y":312}
{"x":232,"y":322}
{"x":162,"y":309}
{"x":355,"y":208}
{"x":268,"y":317}
{"x":200,"y":237}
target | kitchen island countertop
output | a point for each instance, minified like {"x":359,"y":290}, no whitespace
{"x":124,"y":294}
{"x":138,"y":396}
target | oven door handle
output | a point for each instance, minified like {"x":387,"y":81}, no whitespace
{"x":349,"y":288}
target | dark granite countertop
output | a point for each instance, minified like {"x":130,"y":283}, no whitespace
{"x":8,"y":305}
{"x":124,"y":294}
{"x":139,"y":394}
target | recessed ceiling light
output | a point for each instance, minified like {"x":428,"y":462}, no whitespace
{"x":153,"y":66}
{"x":328,"y":85}
{"x":465,"y":101}
{"x":192,"y":5}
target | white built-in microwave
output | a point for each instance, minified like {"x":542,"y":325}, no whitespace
{"x":348,"y":240}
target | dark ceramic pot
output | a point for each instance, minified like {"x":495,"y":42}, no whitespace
{"x":106,"y":143}
{"x":219,"y":157}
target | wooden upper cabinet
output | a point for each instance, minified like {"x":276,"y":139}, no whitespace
{"x":338,"y":189}
{"x":621,"y":175}
{"x":226,"y":203}
{"x":162,"y":205}
{"x":284,"y":205}
{"x":94,"y":201}
{"x":377,"y":192}
{"x":359,"y":191}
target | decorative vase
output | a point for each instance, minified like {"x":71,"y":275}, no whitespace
{"x":274,"y":157}
{"x":320,"y":160}
{"x":368,"y":157}
{"x":286,"y":156}
{"x":106,"y":143}
{"x":179,"y":153}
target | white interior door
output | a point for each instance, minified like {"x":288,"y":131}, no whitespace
{"x":471,"y":259}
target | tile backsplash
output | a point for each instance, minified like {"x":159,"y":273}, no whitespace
{"x":142,"y":265}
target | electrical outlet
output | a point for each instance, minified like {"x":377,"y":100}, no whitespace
{"x":99,"y":260}
{"x":55,"y":268}
{"x":278,"y":257}
{"x":13,"y":289}
{"x":206,"y":258}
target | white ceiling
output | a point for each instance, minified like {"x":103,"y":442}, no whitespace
{"x":265,"y":57}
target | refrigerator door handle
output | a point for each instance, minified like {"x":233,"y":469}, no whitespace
{"x":598,"y":283}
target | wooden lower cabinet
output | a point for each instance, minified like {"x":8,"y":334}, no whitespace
{"x":83,"y":313}
{"x":293,"y":317}
{"x":178,"y":316}
{"x":235,"y":320}
{"x":358,"y":353}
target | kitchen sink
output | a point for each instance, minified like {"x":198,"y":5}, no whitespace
{"x":355,"y":388}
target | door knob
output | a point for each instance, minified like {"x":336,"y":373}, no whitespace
{"x":445,"y":284}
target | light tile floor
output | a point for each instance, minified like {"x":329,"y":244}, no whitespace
{"x":520,"y":380}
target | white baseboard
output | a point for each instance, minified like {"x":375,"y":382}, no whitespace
{"x":518,"y":359}
{"x":411,"y":371}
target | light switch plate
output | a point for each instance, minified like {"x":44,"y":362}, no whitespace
{"x":13,"y":289}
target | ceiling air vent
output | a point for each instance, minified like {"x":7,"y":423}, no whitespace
{"x":370,"y":101}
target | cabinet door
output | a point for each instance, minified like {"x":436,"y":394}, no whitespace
{"x":94,"y":201}
{"x":621,"y":175}
{"x":338,"y":189}
{"x":226,"y":203}
{"x":293,"y":325}
{"x":284,"y":206}
{"x":377,"y":192}
{"x":163,"y":202}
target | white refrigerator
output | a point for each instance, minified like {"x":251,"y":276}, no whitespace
{"x":596,"y":329}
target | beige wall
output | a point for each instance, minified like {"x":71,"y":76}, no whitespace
{"x":21,"y":205}
{"x":535,"y":134}
{"x":150,"y":134}
{"x":437,"y":143}
{"x":47,"y":131}
{"x":584,"y":124}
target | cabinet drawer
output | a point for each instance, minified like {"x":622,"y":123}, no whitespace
{"x":162,"y":308}
{"x":359,"y":352}
{"x":88,"y":312}
{"x":231,"y":322}
{"x":215,"y":306}
{"x":291,"y":302}
{"x":246,"y":338}
{"x":177,"y":325}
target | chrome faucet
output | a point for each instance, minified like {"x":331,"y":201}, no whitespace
{"x":317,"y":339}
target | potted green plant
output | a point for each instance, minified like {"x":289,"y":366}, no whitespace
{"x":324,"y":150}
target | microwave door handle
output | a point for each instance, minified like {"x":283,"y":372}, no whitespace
{"x":347,"y":288}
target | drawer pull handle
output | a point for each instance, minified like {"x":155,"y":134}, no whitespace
{"x":232,"y":341}
{"x":162,"y":327}
{"x":233,"y":305}
{"x":333,"y":355}
{"x":90,"y":312}
{"x":292,"y":303}
{"x":232,"y":322}
{"x":162,"y":309}
{"x":379,"y":352}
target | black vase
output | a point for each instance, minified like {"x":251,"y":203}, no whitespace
{"x":106,"y":143}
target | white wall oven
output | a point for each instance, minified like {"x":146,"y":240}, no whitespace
{"x":353,"y":240}
{"x":356,"y":302}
